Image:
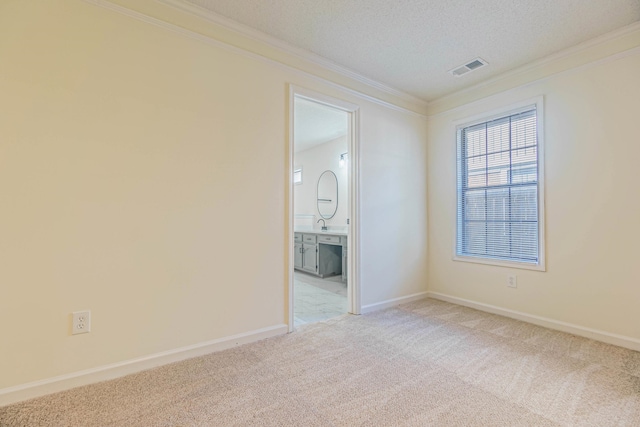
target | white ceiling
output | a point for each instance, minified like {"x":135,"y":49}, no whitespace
{"x":410,"y":45}
{"x":316,"y":124}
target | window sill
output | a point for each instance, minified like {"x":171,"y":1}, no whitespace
{"x":501,"y":263}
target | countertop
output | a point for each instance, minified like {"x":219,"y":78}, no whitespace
{"x":318,"y":231}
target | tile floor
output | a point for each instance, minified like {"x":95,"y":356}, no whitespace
{"x":317,"y":299}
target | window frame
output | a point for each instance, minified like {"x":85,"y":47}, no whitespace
{"x":501,"y":112}
{"x":295,"y":171}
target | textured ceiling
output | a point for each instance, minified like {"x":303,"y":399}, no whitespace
{"x":316,"y":124}
{"x":411,"y":44}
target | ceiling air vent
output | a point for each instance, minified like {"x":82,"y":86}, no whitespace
{"x":468,"y":67}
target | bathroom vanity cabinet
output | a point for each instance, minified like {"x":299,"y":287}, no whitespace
{"x":321,"y":253}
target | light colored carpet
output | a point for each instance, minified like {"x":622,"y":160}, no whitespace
{"x":426,"y":363}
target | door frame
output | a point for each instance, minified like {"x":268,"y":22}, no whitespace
{"x":353,"y":176}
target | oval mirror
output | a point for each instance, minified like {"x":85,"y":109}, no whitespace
{"x":327,"y":194}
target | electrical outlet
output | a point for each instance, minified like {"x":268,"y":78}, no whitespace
{"x":512,"y":281}
{"x":81,"y":322}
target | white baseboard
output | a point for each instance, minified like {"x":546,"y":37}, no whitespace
{"x":102,"y":373}
{"x":609,"y":338}
{"x":391,"y":302}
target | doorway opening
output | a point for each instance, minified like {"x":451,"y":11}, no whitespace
{"x":323,"y":214}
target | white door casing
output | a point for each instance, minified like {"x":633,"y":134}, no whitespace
{"x":353,"y":261}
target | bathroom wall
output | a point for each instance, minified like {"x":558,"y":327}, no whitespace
{"x":314,"y":162}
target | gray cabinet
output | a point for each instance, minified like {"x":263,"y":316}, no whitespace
{"x":310,"y":257}
{"x":297,"y":255}
{"x":321,"y":254}
{"x":345,"y":261}
{"x":305,"y":253}
{"x":297,"y":251}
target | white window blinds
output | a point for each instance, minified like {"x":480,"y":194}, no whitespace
{"x":497,"y":209}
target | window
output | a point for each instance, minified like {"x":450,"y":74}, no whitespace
{"x":499,"y":191}
{"x":297,"y":176}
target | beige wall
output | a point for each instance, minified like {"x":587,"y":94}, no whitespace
{"x":142,"y":175}
{"x":592,"y":209}
{"x":394,"y":211}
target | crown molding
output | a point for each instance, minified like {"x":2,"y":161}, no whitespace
{"x":288,"y":48}
{"x":109,"y":5}
{"x":555,"y":57}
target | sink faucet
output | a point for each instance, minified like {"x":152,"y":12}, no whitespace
{"x":324,"y":225}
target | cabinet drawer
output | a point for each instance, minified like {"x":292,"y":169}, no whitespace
{"x":309,"y":238}
{"x":297,"y":237}
{"x":329,"y":239}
